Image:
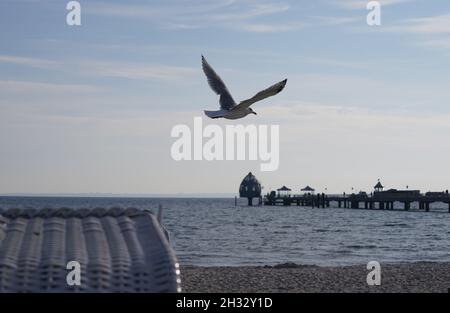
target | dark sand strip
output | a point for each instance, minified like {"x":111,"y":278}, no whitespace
{"x":410,"y":277}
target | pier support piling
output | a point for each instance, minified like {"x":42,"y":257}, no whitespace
{"x":407,"y":206}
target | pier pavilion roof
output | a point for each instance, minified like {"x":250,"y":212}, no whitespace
{"x":250,"y":187}
{"x":118,"y":250}
{"x":378,"y":186}
{"x":307,"y":188}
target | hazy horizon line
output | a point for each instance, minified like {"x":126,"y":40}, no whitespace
{"x":120,"y":195}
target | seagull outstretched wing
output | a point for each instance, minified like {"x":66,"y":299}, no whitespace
{"x":215,"y":82}
{"x":269,"y":92}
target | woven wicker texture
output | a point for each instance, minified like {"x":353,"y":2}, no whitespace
{"x":119,"y":250}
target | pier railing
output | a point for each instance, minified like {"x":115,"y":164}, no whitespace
{"x":376,"y":200}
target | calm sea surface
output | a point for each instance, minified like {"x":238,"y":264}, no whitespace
{"x":213,"y":232}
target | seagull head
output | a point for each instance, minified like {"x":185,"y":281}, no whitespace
{"x":251,"y":111}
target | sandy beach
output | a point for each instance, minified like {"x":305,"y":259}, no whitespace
{"x":422,"y":277}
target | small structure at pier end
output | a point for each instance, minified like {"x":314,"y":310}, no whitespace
{"x":250,"y":188}
{"x":308,"y":189}
{"x":378,"y":187}
{"x":284,"y":191}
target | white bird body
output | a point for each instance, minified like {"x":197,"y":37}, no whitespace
{"x":230,"y":114}
{"x":228,"y":107}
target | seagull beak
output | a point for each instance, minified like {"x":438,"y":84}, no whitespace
{"x":254,"y":112}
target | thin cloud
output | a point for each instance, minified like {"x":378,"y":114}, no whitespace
{"x":135,"y":70}
{"x":169,"y":8}
{"x":251,"y":12}
{"x":338,"y":63}
{"x":338,"y":20}
{"x":114,"y":69}
{"x":23,"y":87}
{"x":292,"y":111}
{"x":432,"y":31}
{"x":235,"y":15}
{"x":362,"y":4}
{"x":438,"y":24}
{"x":268,"y":28}
{"x":442,"y":43}
{"x":32,"y":62}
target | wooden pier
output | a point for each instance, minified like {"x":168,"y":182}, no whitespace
{"x":378,"y":200}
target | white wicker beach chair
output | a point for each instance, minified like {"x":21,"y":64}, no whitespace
{"x":118,"y":250}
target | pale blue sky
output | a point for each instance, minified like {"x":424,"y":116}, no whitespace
{"x":89,"y":108}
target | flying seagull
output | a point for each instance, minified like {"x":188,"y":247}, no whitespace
{"x":228,"y":108}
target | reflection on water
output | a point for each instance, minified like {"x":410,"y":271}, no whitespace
{"x":212,"y":232}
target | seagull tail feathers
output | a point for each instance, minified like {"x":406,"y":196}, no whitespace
{"x":213,"y":114}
